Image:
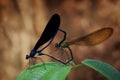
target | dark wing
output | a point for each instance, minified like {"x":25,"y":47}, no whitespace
{"x":49,"y":31}
{"x":93,"y":38}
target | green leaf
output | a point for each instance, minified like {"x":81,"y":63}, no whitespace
{"x":48,"y":71}
{"x":107,"y":70}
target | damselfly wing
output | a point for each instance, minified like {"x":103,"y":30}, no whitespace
{"x":48,"y":34}
{"x":63,"y":55}
{"x":91,"y":39}
{"x":49,"y":31}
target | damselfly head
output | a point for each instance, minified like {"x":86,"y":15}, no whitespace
{"x":64,"y":44}
{"x":27,"y":56}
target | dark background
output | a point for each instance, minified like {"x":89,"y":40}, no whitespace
{"x":22,"y":22}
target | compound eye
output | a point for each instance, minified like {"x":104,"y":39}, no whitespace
{"x":57,"y":45}
{"x":27,"y":56}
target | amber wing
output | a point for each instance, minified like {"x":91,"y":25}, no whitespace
{"x":93,"y":38}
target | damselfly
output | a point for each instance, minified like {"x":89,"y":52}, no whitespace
{"x":47,"y":35}
{"x":88,"y":40}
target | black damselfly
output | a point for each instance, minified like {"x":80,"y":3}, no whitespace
{"x":48,"y":34}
